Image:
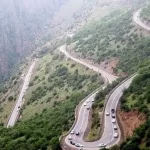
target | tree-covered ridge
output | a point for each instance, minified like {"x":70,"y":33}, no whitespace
{"x":139,"y":95}
{"x":115,"y":36}
{"x":145,"y":13}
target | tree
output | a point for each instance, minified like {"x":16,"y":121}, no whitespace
{"x":55,"y":143}
{"x":115,"y":147}
{"x":131,"y":146}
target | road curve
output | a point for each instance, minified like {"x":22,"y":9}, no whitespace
{"x":16,"y":110}
{"x":137,"y":20}
{"x":83,"y":114}
{"x":105,"y":74}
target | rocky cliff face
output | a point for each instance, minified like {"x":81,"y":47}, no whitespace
{"x":20,"y":22}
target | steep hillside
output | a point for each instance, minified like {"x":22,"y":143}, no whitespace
{"x":24,"y":21}
{"x":137,"y":97}
{"x":20,"y":23}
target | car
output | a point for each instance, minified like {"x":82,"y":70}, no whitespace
{"x":113,"y":120}
{"x":77,"y":133}
{"x":92,"y":100}
{"x":88,"y":108}
{"x":69,"y":138}
{"x":115,"y":135}
{"x":107,"y":113}
{"x":115,"y":127}
{"x":113,"y":110}
{"x":81,"y":145}
{"x":77,"y":145}
{"x":84,"y":104}
{"x":113,"y":116}
{"x":71,"y":142}
{"x":102,"y":145}
{"x":72,"y":132}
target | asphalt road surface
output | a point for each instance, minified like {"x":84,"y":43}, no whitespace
{"x":16,"y":111}
{"x":82,"y":120}
{"x":137,"y":20}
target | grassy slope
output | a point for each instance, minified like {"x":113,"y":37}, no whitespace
{"x":54,"y":87}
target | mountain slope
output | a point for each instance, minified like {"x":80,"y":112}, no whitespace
{"x":112,"y":40}
{"x":20,"y":23}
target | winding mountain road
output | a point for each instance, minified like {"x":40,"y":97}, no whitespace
{"x":83,"y":114}
{"x":137,"y":20}
{"x":105,"y":74}
{"x":16,"y":110}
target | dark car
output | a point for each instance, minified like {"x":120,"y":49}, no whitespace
{"x":113,"y":110}
{"x":77,"y":133}
{"x":71,"y":142}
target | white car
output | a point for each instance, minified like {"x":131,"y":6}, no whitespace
{"x":84,"y":104}
{"x":113,"y":116}
{"x":113,"y":120}
{"x":102,"y":145}
{"x":115,"y":127}
{"x":107,"y":113}
{"x":69,"y":138}
{"x":115,"y":135}
{"x":77,"y":145}
{"x":81,"y":145}
{"x":72,"y":132}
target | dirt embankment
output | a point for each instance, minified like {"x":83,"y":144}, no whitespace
{"x":130,"y":121}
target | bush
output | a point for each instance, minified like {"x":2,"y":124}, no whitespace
{"x":10,"y":98}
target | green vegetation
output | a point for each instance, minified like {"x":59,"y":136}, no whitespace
{"x":139,"y":92}
{"x":42,"y":131}
{"x":55,"y":90}
{"x":115,"y":36}
{"x":145,"y":13}
{"x":58,"y":85}
{"x":55,"y":81}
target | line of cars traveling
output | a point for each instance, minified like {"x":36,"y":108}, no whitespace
{"x":115,"y":135}
{"x":77,"y":133}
